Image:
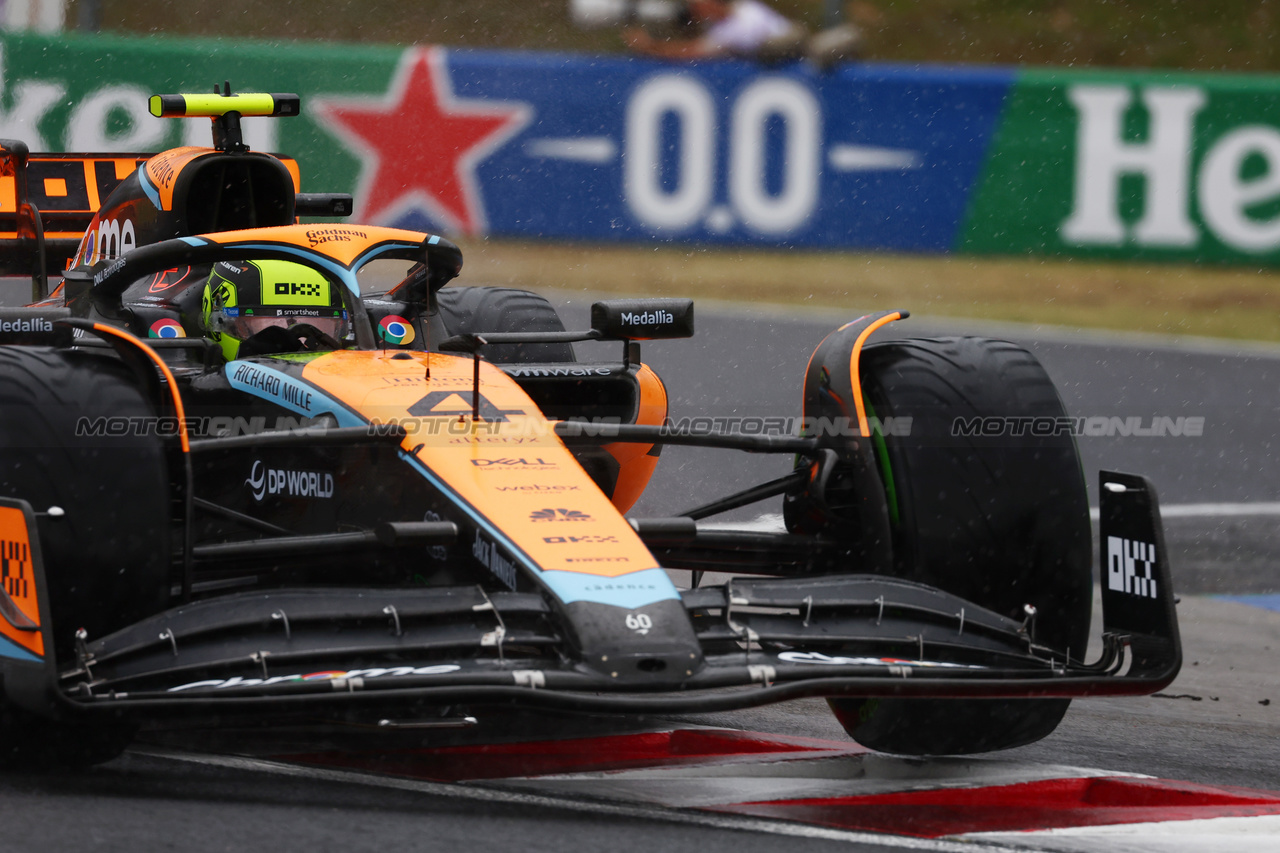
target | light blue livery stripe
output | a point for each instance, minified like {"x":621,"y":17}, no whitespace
{"x":632,"y":590}
{"x":10,"y":649}
{"x":346,"y":276}
{"x":153,"y":195}
{"x":284,"y":390}
{"x":488,"y":526}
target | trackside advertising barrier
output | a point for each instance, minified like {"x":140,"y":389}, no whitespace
{"x":1176,"y":167}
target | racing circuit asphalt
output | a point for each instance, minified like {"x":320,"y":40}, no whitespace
{"x":1210,"y":727}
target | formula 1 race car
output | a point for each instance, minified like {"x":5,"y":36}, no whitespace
{"x":239,"y":479}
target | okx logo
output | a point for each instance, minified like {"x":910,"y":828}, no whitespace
{"x":1131,"y":566}
{"x":558,"y":515}
{"x":296,"y":288}
{"x":15,"y":568}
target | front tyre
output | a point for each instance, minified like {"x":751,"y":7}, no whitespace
{"x":73,"y":435}
{"x":987,"y":500}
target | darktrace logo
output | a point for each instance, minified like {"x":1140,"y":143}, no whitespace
{"x":558,"y":515}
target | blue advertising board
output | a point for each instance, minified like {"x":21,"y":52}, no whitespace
{"x":729,"y":152}
{"x":553,"y":146}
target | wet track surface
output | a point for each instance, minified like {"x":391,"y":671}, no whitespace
{"x":748,"y":363}
{"x":1219,"y":724}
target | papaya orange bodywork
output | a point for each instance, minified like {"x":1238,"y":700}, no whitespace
{"x":508,"y":465}
{"x":19,"y":578}
{"x":636,"y":462}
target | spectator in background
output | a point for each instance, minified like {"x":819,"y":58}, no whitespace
{"x":727,"y":28}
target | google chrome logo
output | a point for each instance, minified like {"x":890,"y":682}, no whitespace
{"x":395,"y":329}
{"x":166,"y":329}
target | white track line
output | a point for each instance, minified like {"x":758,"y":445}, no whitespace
{"x":772,"y":522}
{"x":1260,"y":834}
{"x":1222,"y":510}
{"x":1212,"y":510}
{"x":1033,"y":332}
{"x":822,"y":315}
{"x":797,"y":777}
{"x":473,"y":791}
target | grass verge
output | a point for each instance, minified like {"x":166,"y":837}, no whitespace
{"x":1221,"y":302}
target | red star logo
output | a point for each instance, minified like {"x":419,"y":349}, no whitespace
{"x":420,"y":145}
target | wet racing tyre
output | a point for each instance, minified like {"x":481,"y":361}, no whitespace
{"x":107,"y":555}
{"x":476,"y":310}
{"x":987,"y":500}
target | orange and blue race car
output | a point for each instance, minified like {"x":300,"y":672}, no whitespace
{"x":254,"y":469}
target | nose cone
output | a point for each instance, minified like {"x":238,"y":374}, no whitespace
{"x":649,"y":646}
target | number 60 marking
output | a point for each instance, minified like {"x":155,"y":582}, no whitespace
{"x":689,"y":202}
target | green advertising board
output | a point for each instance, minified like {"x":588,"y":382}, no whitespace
{"x":90,"y":93}
{"x":1133,"y":166}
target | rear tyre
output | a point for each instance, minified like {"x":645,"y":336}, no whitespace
{"x":476,"y":310}
{"x":1001,"y":520}
{"x":107,"y":557}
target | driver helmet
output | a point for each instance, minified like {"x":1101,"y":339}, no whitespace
{"x":242,"y":298}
